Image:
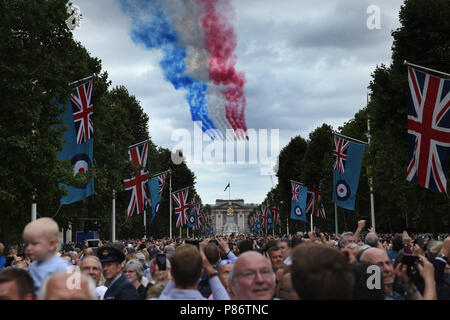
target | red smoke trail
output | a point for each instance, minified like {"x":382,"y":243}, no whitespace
{"x":220,"y":42}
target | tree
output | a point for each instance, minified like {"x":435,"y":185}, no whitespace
{"x":421,"y":40}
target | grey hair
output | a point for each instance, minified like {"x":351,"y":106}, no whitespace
{"x":136,"y":266}
{"x":372,"y":239}
{"x":433,"y":248}
{"x":91,"y":257}
{"x":170,"y":251}
{"x":342,"y":240}
{"x":90,"y":282}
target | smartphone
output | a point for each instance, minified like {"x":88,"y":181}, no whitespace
{"x":93,"y":243}
{"x":161,"y":261}
{"x":410,"y":259}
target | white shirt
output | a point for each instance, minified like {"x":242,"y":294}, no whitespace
{"x":288,"y":261}
{"x":101,"y":292}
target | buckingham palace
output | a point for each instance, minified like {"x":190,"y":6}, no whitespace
{"x":231,"y":216}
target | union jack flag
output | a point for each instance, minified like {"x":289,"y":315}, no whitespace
{"x":264,"y":215}
{"x":276,"y":215}
{"x":136,"y":193}
{"x":322,"y":213}
{"x":294,"y":191}
{"x":428,"y":130}
{"x":340,"y":153}
{"x":83,"y":112}
{"x":161,"y":180}
{"x":311,"y":201}
{"x":181,"y":207}
{"x":139,"y":155}
{"x":198,"y":217}
{"x":136,"y":187}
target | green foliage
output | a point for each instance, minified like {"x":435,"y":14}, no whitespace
{"x":39,"y":58}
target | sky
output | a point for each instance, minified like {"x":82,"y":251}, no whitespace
{"x":305,"y":63}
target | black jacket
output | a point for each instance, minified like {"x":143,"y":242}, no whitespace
{"x":122,"y":289}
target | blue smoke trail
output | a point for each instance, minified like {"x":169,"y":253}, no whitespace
{"x":151,"y":27}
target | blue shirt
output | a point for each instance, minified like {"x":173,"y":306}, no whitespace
{"x":172,"y":293}
{"x":395,"y":296}
{"x":2,"y":262}
{"x":41,"y":271}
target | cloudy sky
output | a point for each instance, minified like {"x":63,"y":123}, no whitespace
{"x":305,"y":62}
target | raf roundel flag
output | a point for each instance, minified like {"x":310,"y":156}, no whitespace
{"x":347,"y":167}
{"x":80,"y":155}
{"x":298,"y":203}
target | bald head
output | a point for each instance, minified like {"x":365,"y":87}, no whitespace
{"x":252,"y":277}
{"x":68,"y":286}
{"x":372,"y":255}
{"x":380,"y":258}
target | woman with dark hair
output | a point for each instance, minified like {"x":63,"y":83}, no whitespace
{"x":397,"y":245}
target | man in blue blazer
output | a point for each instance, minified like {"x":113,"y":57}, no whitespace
{"x":119,"y":288}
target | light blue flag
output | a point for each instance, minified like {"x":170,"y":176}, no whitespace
{"x":347,"y":167}
{"x":155,"y":196}
{"x":298,"y":202}
{"x":80,"y":155}
{"x":192,"y":219}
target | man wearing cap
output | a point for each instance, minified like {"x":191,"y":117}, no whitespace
{"x":119,"y":288}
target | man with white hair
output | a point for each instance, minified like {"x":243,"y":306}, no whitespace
{"x":371,"y":239}
{"x":91,"y":266}
{"x":68,"y":286}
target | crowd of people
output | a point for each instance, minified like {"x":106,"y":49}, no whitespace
{"x":360,"y":265}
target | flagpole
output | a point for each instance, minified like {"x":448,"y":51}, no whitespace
{"x":424,"y":68}
{"x":34,"y":208}
{"x":84,"y":79}
{"x":155,"y":175}
{"x":372,"y":201}
{"x":145,"y":221}
{"x":349,"y":138}
{"x":170,"y":202}
{"x":113,"y":217}
{"x":287,"y":226}
{"x":138,"y":144}
{"x":312,"y":221}
{"x":335,"y":218}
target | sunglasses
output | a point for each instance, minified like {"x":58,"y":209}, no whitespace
{"x":225,"y":261}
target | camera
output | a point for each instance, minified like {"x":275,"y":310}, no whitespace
{"x":93,"y":243}
{"x":411,"y":261}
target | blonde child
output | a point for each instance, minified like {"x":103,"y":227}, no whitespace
{"x":42,"y":244}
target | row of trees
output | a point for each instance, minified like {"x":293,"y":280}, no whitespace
{"x":38,"y":60}
{"x":422,"y":39}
